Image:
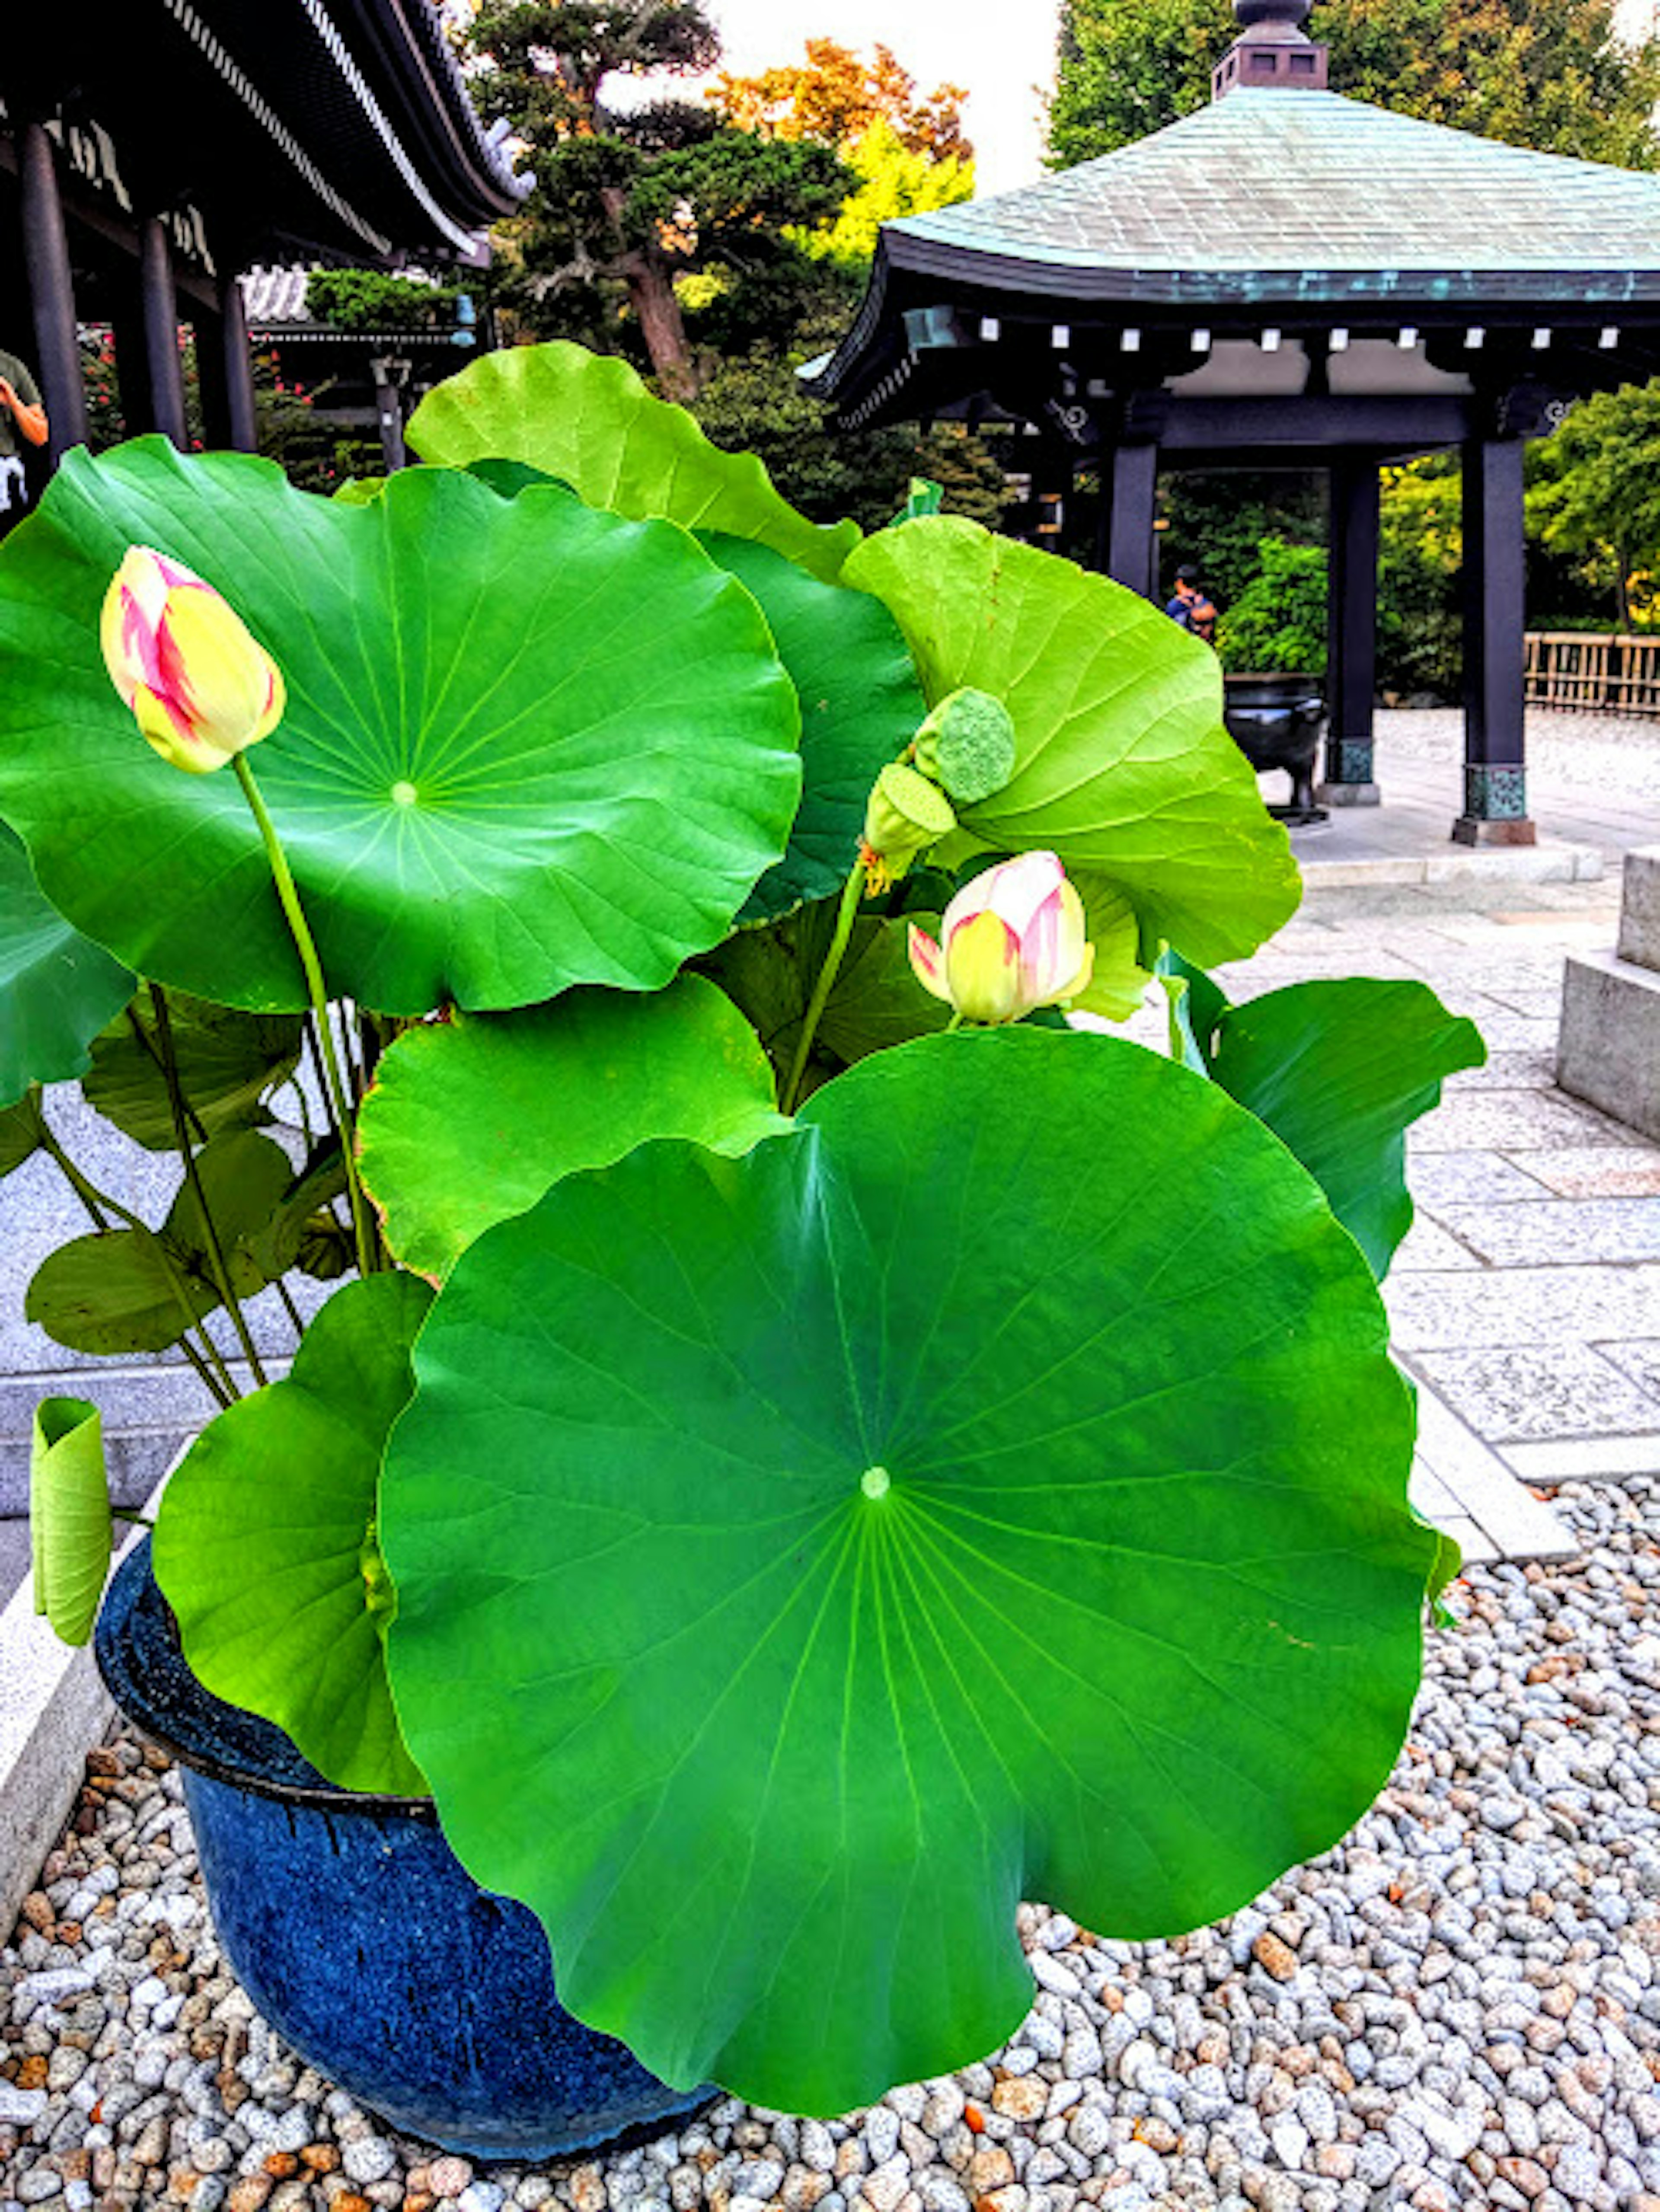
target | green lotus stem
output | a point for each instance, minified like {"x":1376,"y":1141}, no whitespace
{"x":291,"y":1309}
{"x":146,"y":1045}
{"x":846,"y":914}
{"x":317,"y":990}
{"x":181,"y":1119}
{"x":218,"y":1378}
{"x":955,"y":1023}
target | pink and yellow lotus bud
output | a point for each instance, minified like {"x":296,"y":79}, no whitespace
{"x":906,"y":815}
{"x":202,"y":689}
{"x":1010,"y":941}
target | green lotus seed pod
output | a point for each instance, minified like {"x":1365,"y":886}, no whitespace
{"x":906,"y":815}
{"x":967,"y":745}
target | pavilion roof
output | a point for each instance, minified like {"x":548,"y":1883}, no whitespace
{"x":1272,"y":195}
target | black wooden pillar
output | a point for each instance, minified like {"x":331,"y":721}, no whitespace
{"x":1351,"y":647}
{"x":390,"y":378}
{"x":1131,"y":489}
{"x":51,"y":292}
{"x":1495,"y":647}
{"x":225,"y":373}
{"x":164,"y":375}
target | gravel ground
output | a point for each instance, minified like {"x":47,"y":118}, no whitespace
{"x":1459,"y":2006}
{"x":1615,"y":755}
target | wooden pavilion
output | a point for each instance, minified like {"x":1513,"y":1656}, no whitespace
{"x":1287,"y":279}
{"x":151,"y":151}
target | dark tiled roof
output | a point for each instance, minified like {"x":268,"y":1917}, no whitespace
{"x":1283,"y":181}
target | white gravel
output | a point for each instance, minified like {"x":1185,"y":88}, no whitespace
{"x":1459,"y":2007}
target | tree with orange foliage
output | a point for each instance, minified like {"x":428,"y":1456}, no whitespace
{"x":836,"y":95}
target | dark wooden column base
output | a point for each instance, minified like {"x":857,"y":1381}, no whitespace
{"x":1495,"y":807}
{"x":1467,"y":830}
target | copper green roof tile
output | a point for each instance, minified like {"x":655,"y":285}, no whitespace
{"x":1276,"y":182}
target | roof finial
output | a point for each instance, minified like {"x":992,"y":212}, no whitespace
{"x":1272,"y":50}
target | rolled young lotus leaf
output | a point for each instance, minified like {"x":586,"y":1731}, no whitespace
{"x":71,"y":1527}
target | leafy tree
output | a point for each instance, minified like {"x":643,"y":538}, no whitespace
{"x":1550,"y":74}
{"x":835,"y":96}
{"x":377,"y":299}
{"x":627,"y":203}
{"x":1278,"y":620}
{"x":895,"y":179}
{"x":1595,"y":494}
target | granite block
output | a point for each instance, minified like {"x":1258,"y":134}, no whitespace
{"x":1639,"y":909}
{"x":1556,"y":1232}
{"x":1538,"y":1392}
{"x":1494,"y":1310}
{"x":1609,"y":1052}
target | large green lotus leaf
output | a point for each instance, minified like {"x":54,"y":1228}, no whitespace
{"x":471,"y":1120}
{"x":70,"y":1531}
{"x":265,"y":1546}
{"x":995,"y":1488}
{"x":228,"y":1061}
{"x":861,"y":706}
{"x":56,"y":989}
{"x":587,"y":419}
{"x":1340,"y":1071}
{"x":1123,"y":767}
{"x":527,"y":744}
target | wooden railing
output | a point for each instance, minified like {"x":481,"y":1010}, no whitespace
{"x":1577,"y":669}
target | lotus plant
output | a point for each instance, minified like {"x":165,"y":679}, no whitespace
{"x":780,"y":1507}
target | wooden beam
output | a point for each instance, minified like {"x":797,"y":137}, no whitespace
{"x":159,"y":301}
{"x":1352,"y":651}
{"x":51,"y":292}
{"x":1380,"y":425}
{"x":1495,"y":647}
{"x":1130,"y":545}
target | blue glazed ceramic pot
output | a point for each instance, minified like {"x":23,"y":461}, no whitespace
{"x":362,"y":1939}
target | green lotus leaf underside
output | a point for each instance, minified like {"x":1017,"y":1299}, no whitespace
{"x":860,"y":705}
{"x":264,"y":1543}
{"x":229,"y":1064}
{"x":527,"y":745}
{"x":1123,"y":767}
{"x":996,"y":1488}
{"x":57,"y":989}
{"x":1339,"y":1070}
{"x":587,"y":419}
{"x":470,"y":1121}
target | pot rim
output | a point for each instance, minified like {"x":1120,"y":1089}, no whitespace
{"x":134,"y":1608}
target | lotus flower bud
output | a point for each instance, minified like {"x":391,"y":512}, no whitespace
{"x":967,"y":745}
{"x":1012,"y":940}
{"x":906,"y":815}
{"x":202,"y":689}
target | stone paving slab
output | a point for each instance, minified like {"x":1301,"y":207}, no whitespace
{"x":1549,"y":1233}
{"x":1538,"y":1392}
{"x":1494,"y":1310}
{"x":1505,"y":1519}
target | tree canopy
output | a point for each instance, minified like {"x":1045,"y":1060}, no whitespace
{"x":1548,"y":74}
{"x":835,"y":96}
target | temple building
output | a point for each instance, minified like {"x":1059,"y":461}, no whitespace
{"x":1287,"y":279}
{"x":151,"y":151}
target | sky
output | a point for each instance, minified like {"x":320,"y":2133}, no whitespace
{"x":1005,"y":54}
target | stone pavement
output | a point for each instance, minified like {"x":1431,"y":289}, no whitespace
{"x":1528,"y":1296}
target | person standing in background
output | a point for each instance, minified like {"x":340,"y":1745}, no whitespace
{"x":22,"y":415}
{"x":1192,"y":607}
